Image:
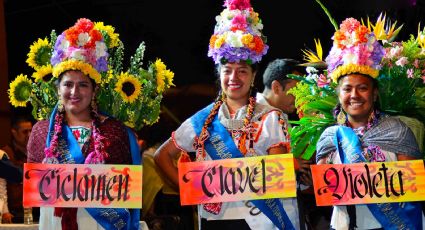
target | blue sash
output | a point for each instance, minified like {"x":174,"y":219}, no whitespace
{"x":220,"y":145}
{"x":108,"y":218}
{"x":391,"y":216}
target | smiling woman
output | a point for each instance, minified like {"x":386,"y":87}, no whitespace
{"x":234,"y":121}
{"x":363,"y":132}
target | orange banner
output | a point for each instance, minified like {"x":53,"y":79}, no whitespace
{"x":248,"y":178}
{"x":365,"y":183}
{"x":82,"y":185}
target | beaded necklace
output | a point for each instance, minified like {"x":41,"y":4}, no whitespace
{"x":204,"y":135}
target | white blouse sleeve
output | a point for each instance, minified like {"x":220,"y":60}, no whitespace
{"x":184,"y":136}
{"x":274,"y":131}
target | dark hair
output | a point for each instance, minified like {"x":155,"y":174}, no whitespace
{"x":278,"y":69}
{"x":254,"y":68}
{"x":16,"y":119}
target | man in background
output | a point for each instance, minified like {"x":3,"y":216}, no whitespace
{"x":276,"y":86}
{"x":17,"y":152}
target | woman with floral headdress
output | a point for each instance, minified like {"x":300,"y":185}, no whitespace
{"x":246,"y":128}
{"x":363,"y":133}
{"x":76,"y":133}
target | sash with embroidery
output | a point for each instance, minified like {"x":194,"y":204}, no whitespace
{"x":108,"y":218}
{"x":219,"y":136}
{"x":407,"y":215}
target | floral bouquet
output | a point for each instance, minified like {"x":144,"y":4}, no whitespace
{"x":132,"y":96}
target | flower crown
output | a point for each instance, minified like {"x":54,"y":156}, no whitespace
{"x":132,"y":96}
{"x":237,"y":34}
{"x":80,"y":47}
{"x":355,"y":50}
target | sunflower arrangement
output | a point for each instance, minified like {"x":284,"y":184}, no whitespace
{"x":132,"y":96}
{"x":401,"y":85}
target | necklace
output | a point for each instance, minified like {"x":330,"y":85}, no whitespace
{"x":204,"y":135}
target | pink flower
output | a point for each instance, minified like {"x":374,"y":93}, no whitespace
{"x":322,"y":81}
{"x":349,"y":25}
{"x":416,"y":63}
{"x":410,"y":73}
{"x":237,"y":4}
{"x":239,"y":22}
{"x":423,"y":78}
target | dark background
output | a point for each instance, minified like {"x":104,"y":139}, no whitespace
{"x":178,"y":32}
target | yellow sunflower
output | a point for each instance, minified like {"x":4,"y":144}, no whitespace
{"x":20,"y":91}
{"x":163,"y":74}
{"x":44,"y":73}
{"x":111,"y":38}
{"x":129,"y":87}
{"x":40,"y":53}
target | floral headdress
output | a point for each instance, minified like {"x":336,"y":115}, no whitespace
{"x":355,"y":50}
{"x":80,"y":47}
{"x":237,"y":34}
{"x":132,"y":96}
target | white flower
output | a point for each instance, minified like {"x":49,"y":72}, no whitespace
{"x":100,"y":49}
{"x":402,"y":61}
{"x":78,"y":54}
{"x":83,"y":38}
{"x":350,"y":57}
{"x":312,"y":77}
{"x":234,"y":39}
{"x":311,"y":70}
{"x":64,"y":44}
{"x":395,"y":51}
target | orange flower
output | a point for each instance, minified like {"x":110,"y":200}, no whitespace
{"x":212,"y":41}
{"x":259,"y":45}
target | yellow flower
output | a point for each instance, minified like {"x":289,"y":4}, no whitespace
{"x":163,"y":74}
{"x":384,"y":31}
{"x":129,"y":87}
{"x":44,"y":73}
{"x":353,"y":68}
{"x":219,"y":42}
{"x":311,"y":56}
{"x":40,"y":53}
{"x":112,"y":38}
{"x":247,"y":39}
{"x":421,"y":36}
{"x":86,"y":68}
{"x":169,"y":75}
{"x":20,"y":91}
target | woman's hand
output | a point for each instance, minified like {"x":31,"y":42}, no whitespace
{"x":404,"y":157}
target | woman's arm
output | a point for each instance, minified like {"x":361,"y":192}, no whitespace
{"x":164,"y":158}
{"x":404,"y":157}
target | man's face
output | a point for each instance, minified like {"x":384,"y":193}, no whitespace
{"x":22,"y":133}
{"x":284,"y":101}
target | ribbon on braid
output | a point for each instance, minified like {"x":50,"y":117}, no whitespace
{"x":51,"y":151}
{"x":98,"y":155}
{"x":199,"y":142}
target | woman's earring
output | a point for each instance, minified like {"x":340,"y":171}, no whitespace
{"x":94,"y":104}
{"x":341,"y":118}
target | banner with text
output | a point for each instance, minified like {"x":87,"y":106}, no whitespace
{"x":365,"y":183}
{"x":82,"y":185}
{"x":248,"y":178}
